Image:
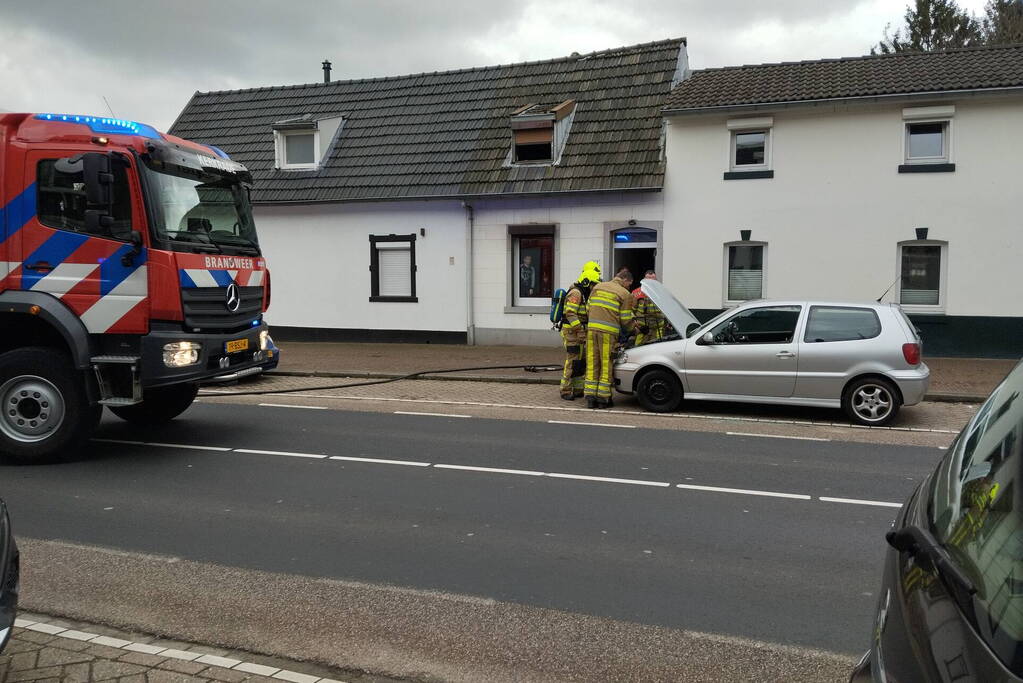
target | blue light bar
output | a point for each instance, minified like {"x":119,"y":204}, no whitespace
{"x":109,"y":126}
{"x":623,"y":237}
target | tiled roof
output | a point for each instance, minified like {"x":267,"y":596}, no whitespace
{"x":447,"y":134}
{"x":877,"y":75}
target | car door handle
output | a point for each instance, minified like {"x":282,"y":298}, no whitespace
{"x":785,"y":354}
{"x":39,"y":265}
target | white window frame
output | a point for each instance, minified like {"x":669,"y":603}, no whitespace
{"x":946,"y":142}
{"x":942,"y":276}
{"x":762,"y":124}
{"x":731,"y":303}
{"x":281,"y":144}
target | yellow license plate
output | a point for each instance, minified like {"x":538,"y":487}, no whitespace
{"x":236,"y":346}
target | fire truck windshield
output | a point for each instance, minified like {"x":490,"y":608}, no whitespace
{"x":200,"y":214}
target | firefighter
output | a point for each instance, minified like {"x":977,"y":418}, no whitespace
{"x":573,"y":331}
{"x":610,"y":310}
{"x":649,"y":319}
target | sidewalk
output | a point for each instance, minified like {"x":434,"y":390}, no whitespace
{"x":44,"y":649}
{"x":952,"y":379}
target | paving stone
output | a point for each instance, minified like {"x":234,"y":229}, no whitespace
{"x":52,"y":656}
{"x":141,"y":659}
{"x":226,"y":675}
{"x":206,"y":650}
{"x":73,"y":645}
{"x":214,"y":660}
{"x":171,"y":644}
{"x":34,"y":637}
{"x":16,"y":645}
{"x":104,"y":651}
{"x":103,"y":670}
{"x":33,"y":674}
{"x":144,"y":648}
{"x":182,"y":667}
{"x":111,"y":642}
{"x":161,"y":676}
{"x":258,"y":669}
{"x":295,"y":677}
{"x":137,"y":678}
{"x":23,"y":661}
{"x":77,"y":635}
{"x":77,"y":673}
{"x":180,"y":654}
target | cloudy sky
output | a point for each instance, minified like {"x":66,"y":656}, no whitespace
{"x":147,"y":58}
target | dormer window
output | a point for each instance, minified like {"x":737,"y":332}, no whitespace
{"x":539,"y":133}
{"x":303,"y":143}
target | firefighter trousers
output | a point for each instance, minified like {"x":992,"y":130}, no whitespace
{"x":599,"y":347}
{"x":572,"y":375}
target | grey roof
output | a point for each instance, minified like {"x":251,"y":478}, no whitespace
{"x":902,"y":73}
{"x":447,"y":134}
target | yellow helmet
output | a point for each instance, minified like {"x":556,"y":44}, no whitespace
{"x":590,"y":274}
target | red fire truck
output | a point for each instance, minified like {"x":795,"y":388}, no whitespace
{"x":129,"y":271}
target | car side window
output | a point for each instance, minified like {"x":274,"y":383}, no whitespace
{"x":769,"y":325}
{"x":841,"y":323}
{"x":60,"y":185}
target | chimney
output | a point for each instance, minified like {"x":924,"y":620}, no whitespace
{"x":326,"y":71}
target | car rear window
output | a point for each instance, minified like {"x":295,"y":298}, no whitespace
{"x":841,"y":323}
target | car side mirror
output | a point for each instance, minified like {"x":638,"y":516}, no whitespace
{"x":706,"y":340}
{"x":690,"y":328}
{"x":98,"y":180}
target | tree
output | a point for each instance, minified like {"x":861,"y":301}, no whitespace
{"x":1003,"y":22}
{"x":934,"y":25}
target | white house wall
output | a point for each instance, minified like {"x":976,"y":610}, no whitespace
{"x":837,"y":207}
{"x":319,"y":261}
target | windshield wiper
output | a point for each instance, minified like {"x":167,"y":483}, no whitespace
{"x":929,"y":554}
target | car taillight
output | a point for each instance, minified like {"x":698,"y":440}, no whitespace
{"x":911,"y":352}
{"x":266,"y":302}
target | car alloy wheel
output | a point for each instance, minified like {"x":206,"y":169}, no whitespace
{"x":872,"y":402}
{"x":33,"y":408}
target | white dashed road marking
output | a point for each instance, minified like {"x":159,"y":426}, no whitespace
{"x":291,"y":405}
{"x":778,"y":436}
{"x":745,"y":492}
{"x":501,"y":470}
{"x":589,"y":424}
{"x":856,"y":501}
{"x":407,"y":412}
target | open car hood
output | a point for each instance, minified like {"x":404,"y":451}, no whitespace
{"x":677,"y":314}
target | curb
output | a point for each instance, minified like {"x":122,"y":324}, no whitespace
{"x":937,"y":397}
{"x":239,"y":661}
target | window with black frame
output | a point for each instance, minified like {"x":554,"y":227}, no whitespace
{"x":61,"y":201}
{"x":920,"y":274}
{"x":393,"y":268}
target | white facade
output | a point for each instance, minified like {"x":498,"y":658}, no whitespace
{"x":837,"y":208}
{"x":319,"y":257}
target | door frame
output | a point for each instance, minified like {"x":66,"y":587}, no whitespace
{"x":612,"y":226}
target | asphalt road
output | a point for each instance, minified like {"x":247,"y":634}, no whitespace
{"x":581,"y":518}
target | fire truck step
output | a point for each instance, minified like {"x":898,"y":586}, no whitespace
{"x":116,"y":359}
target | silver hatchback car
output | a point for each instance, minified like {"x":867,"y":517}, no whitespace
{"x":861,"y":357}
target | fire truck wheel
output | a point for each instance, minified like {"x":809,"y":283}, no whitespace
{"x":159,"y":406}
{"x":46,"y":412}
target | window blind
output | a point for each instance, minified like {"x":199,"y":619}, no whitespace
{"x":744,"y":285}
{"x":394,"y":269}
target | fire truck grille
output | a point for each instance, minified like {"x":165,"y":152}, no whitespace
{"x":206,"y":308}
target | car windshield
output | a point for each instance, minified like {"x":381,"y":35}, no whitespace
{"x":189,"y":211}
{"x":974,"y":514}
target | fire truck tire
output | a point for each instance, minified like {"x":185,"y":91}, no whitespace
{"x":46,"y":414}
{"x":159,"y":406}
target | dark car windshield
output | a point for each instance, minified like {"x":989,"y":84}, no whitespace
{"x":974,"y":514}
{"x":189,"y":211}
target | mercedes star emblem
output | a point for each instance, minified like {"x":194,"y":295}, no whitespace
{"x":233,"y":300}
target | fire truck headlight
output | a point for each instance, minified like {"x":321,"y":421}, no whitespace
{"x":180,"y":354}
{"x":264,"y":340}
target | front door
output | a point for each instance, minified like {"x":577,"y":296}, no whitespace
{"x":101,"y":279}
{"x":754,"y":353}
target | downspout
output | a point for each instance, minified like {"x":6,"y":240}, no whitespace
{"x":470,"y":323}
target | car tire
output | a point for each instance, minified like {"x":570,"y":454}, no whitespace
{"x":46,"y":414}
{"x":659,"y":391}
{"x":159,"y":406}
{"x":871,"y":401}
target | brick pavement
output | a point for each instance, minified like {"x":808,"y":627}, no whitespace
{"x":44,"y":649}
{"x":970,"y":377}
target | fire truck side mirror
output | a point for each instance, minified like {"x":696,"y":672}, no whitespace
{"x":98,"y":180}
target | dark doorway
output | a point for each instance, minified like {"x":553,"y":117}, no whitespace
{"x":635,"y":249}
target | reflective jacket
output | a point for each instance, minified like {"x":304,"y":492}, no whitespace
{"x":611,"y":308}
{"x":573,"y":329}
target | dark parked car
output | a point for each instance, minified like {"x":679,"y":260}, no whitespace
{"x":9,"y":567}
{"x":951,"y":600}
